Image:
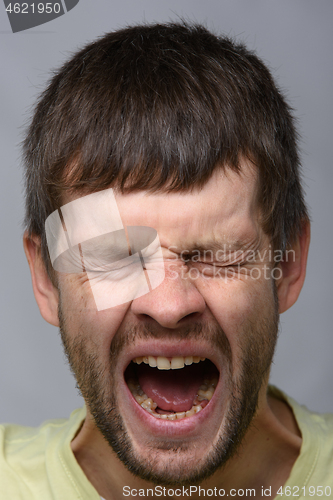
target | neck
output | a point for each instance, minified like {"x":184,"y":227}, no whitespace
{"x":262,"y":463}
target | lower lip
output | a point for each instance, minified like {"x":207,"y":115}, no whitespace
{"x":183,"y":427}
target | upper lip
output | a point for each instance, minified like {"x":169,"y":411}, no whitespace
{"x":169,"y":350}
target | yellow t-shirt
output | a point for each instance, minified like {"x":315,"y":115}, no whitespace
{"x":312,"y":473}
{"x":38,"y":464}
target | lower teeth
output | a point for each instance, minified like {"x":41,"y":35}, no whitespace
{"x":205,"y":394}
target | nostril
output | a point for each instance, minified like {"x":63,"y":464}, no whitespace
{"x":145,"y":317}
{"x":194,"y":316}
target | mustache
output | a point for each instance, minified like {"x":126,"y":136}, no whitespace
{"x":212,"y":333}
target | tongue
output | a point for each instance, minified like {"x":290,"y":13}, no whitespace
{"x":172,"y":390}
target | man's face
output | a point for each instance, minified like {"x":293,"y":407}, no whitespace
{"x":217,"y":305}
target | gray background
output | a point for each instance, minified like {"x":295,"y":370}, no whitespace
{"x":295,"y":38}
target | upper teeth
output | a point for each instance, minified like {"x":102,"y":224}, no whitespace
{"x":163,"y":363}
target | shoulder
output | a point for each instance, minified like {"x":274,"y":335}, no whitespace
{"x":27,"y":454}
{"x":314,"y":466}
{"x":321,"y":423}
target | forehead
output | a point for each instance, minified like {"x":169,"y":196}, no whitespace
{"x":226,"y":207}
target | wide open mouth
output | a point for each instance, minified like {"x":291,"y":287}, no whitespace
{"x":172,"y":388}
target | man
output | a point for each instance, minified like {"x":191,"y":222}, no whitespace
{"x":166,"y":232}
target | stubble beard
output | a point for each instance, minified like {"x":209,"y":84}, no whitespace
{"x":97,"y":386}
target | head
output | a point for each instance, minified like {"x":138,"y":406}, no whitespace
{"x":196,"y":141}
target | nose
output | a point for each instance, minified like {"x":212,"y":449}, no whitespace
{"x":175,"y":301}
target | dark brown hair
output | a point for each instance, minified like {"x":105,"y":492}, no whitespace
{"x":159,"y":107}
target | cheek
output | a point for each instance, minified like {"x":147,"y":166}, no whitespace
{"x":75,"y":293}
{"x":238,"y":305}
{"x":82,"y":319}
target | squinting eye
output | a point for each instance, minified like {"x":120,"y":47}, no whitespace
{"x":114,"y":267}
{"x":211,"y":269}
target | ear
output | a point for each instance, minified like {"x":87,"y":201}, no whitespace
{"x":46,"y":294}
{"x":293,"y":268}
